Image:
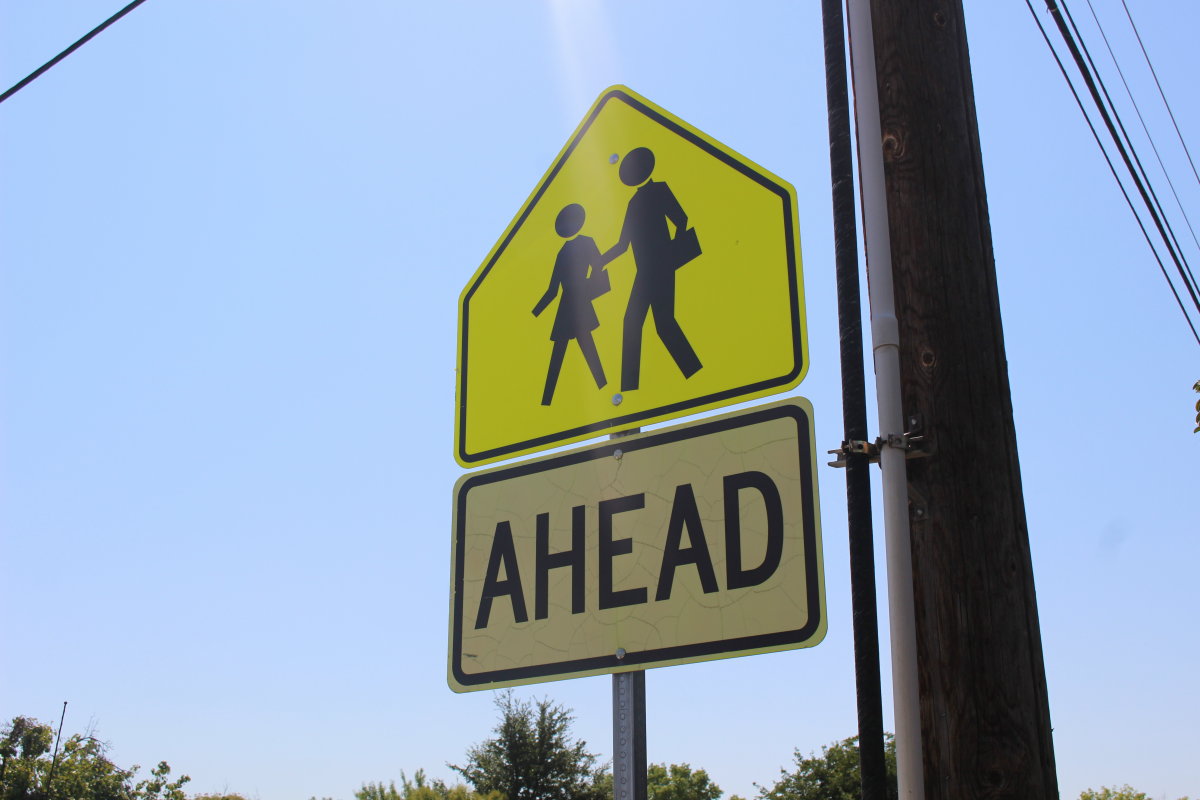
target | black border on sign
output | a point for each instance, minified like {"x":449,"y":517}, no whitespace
{"x":671,"y":409}
{"x":566,"y":669}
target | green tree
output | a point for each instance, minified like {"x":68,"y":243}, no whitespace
{"x":84,"y":772}
{"x":419,"y":788}
{"x":673,"y":782}
{"x":532,"y":755}
{"x":23,"y":745}
{"x":833,"y":775}
{"x":377,"y":791}
{"x":81,"y":770}
{"x":1125,"y":792}
{"x":159,"y":785}
{"x":679,"y":782}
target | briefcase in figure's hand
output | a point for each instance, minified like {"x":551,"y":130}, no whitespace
{"x":598,"y":282}
{"x":684,"y":247}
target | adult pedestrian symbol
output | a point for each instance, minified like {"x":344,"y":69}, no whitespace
{"x":657,"y":256}
{"x":653,"y":272}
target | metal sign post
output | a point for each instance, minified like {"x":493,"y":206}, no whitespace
{"x":629,"y":735}
{"x":629,"y":723}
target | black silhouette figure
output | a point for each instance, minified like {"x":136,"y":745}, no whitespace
{"x":578,"y":269}
{"x":656,"y":256}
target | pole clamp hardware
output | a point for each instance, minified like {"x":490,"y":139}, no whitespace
{"x":854,"y":447}
{"x":910,"y":443}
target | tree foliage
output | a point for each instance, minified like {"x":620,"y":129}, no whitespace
{"x":23,"y":766}
{"x":532,"y":756}
{"x":419,"y":788}
{"x":1125,"y":792}
{"x":81,"y":770}
{"x":159,"y":785}
{"x":679,"y":782}
{"x":833,"y":775}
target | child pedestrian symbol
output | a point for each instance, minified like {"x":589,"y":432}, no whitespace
{"x":578,"y":272}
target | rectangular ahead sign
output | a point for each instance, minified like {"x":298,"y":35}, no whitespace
{"x":685,"y":544}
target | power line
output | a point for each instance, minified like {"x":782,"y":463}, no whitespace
{"x":1145,"y":127}
{"x":1160,"y":224}
{"x":1092,"y":79}
{"x":1160,"y":91}
{"x":1140,"y":176}
{"x":1112,"y":168}
{"x":31,"y":77}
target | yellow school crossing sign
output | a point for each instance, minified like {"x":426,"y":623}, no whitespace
{"x":652,"y":273}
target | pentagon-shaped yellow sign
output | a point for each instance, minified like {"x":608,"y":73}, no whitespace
{"x":653,"y":272}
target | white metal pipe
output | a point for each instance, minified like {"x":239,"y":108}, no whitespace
{"x":885,"y":337}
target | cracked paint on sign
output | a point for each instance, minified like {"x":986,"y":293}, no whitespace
{"x":661,"y":513}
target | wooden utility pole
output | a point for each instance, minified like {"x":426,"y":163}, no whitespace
{"x":985,"y":721}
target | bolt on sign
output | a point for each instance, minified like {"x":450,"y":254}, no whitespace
{"x":652,"y":273}
{"x":685,"y":544}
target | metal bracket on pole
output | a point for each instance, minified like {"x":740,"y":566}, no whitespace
{"x":912,"y":444}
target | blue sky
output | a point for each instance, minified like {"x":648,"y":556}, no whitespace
{"x":232,"y":239}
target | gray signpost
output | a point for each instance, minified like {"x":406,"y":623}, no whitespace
{"x":629,"y":735}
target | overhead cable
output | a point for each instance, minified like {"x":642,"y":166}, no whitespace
{"x":1162,"y":225}
{"x":31,"y":77}
{"x":1160,"y":91}
{"x":1127,"y":150}
{"x":1145,"y":129}
{"x":1137,"y":171}
{"x":1112,"y":168}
